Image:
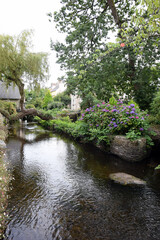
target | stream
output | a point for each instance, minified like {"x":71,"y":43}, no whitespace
{"x":61,"y":191}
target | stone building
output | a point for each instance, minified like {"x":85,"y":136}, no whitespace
{"x":75,"y":103}
{"x":57,"y":87}
{"x":10,"y":94}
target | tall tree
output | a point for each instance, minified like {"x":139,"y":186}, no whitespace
{"x":88,"y":25}
{"x":19,"y":65}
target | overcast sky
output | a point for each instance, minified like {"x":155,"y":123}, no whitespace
{"x":19,"y":15}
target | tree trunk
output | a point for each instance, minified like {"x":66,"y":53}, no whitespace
{"x":20,"y":85}
{"x":22,"y":114}
{"x":114,"y":13}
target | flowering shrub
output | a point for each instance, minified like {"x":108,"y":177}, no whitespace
{"x":115,"y":117}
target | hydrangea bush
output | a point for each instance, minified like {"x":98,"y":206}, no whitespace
{"x":115,"y":117}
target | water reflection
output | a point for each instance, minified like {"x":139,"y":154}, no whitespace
{"x":61,"y":191}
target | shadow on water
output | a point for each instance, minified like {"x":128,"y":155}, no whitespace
{"x":61,"y":191}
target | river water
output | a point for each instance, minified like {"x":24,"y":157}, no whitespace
{"x":61,"y":191}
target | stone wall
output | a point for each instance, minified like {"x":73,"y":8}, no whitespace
{"x":132,"y":151}
{"x":4,"y":177}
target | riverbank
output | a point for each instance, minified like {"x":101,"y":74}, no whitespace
{"x":127,"y":149}
{"x":4,"y":178}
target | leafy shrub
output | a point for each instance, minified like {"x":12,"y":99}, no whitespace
{"x":99,"y":122}
{"x":54,"y":104}
{"x":10,"y":107}
{"x":155,"y":109}
{"x":114,"y":117}
{"x":88,"y":101}
{"x":47,"y":99}
{"x":28,"y":106}
{"x":65,"y":125}
{"x":63,"y":97}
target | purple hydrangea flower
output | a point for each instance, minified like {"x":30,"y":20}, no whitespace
{"x":141,"y":129}
{"x":132,"y":105}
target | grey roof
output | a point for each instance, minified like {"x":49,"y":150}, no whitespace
{"x":11,"y":93}
{"x":55,"y":88}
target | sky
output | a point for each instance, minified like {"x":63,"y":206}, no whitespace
{"x":19,"y":15}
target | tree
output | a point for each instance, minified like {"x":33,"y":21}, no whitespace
{"x":35,"y":97}
{"x":47,"y":99}
{"x":63,"y":97}
{"x":146,"y":20}
{"x":90,"y":61}
{"x":19,"y":65}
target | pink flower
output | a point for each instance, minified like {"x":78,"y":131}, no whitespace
{"x":122,"y":44}
{"x":137,"y":117}
{"x":103,"y":102}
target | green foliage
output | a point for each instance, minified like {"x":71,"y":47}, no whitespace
{"x":42,"y":99}
{"x":28,"y":106}
{"x":16,"y":60}
{"x":112,"y":101}
{"x":65,"y":125}
{"x":19,"y":65}
{"x":105,"y":119}
{"x":64,"y":98}
{"x":155,"y":106}
{"x":104,"y":69}
{"x":158,"y":167}
{"x":135,"y":104}
{"x":88,"y":101}
{"x":146,"y":20}
{"x":98,"y":123}
{"x":54,"y":104}
{"x":47,"y":99}
{"x":35,"y":97}
{"x":10,"y":107}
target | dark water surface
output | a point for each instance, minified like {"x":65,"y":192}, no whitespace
{"x":61,"y":191}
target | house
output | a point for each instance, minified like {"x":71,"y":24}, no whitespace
{"x":60,"y":87}
{"x":57,"y":87}
{"x":10,"y":94}
{"x":75,"y":102}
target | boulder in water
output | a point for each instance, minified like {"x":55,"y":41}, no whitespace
{"x":126,"y":179}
